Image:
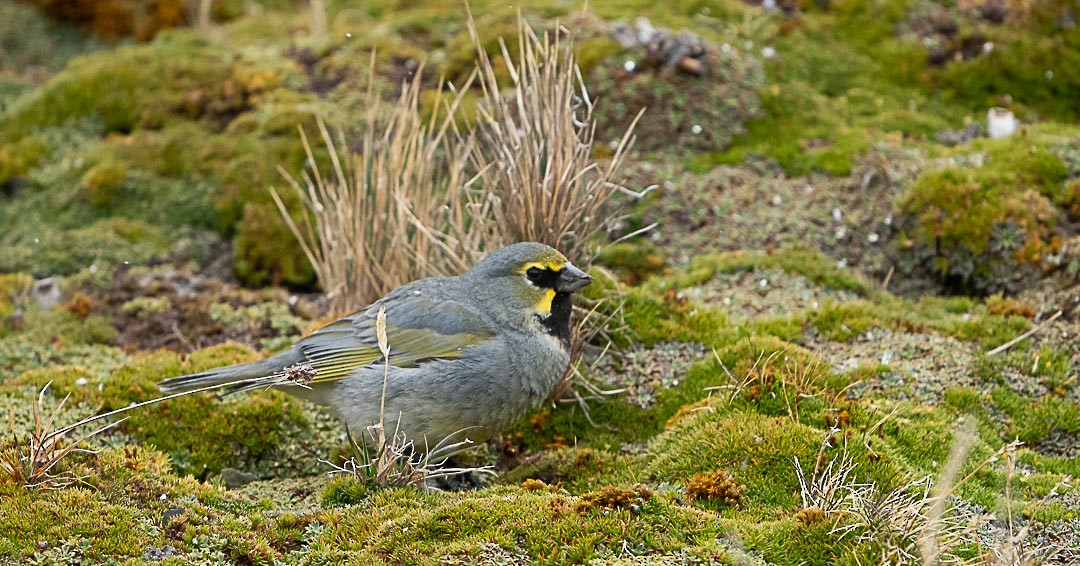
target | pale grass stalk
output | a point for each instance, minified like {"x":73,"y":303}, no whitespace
{"x":203,"y":17}
{"x":827,"y":489}
{"x":30,"y":460}
{"x":930,"y":539}
{"x":391,"y":213}
{"x":534,"y":147}
{"x":318,"y":18}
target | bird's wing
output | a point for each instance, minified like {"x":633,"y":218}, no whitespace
{"x":418,"y":330}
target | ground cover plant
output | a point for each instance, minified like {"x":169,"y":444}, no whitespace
{"x":833,"y":320}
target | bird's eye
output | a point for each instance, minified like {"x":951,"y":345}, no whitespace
{"x":533,"y":273}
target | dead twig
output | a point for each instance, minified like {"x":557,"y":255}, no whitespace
{"x":1034,"y":330}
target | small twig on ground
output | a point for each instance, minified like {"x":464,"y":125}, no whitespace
{"x":888,"y":277}
{"x":183,"y":339}
{"x":1035,"y":329}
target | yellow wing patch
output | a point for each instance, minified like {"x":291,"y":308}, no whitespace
{"x":334,"y":357}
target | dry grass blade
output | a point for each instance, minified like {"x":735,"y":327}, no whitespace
{"x":534,"y":146}
{"x":395,"y":461}
{"x":378,"y":216}
{"x":31,"y":460}
{"x":827,"y":489}
{"x":929,"y":540}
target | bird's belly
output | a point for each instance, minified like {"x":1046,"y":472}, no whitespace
{"x":454,"y":399}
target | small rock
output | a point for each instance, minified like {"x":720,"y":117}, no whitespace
{"x":169,"y":514}
{"x":233,"y":478}
{"x":1000,"y":123}
{"x":956,"y":137}
{"x":46,"y":292}
{"x":159,"y":554}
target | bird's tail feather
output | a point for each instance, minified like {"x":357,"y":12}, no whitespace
{"x":225,"y":376}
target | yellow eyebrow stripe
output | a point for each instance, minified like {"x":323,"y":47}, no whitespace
{"x":552,"y":265}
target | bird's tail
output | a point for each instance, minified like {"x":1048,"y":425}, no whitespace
{"x":238,"y":375}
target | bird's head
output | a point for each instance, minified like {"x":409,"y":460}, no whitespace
{"x":527,"y":276}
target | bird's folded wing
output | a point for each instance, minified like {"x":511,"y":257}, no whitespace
{"x":417,"y":331}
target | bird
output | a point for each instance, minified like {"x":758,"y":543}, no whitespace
{"x":468,"y":354}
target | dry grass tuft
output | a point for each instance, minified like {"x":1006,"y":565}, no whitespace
{"x":918,"y":522}
{"x":534,"y":146}
{"x":828,"y":488}
{"x":393,"y":460}
{"x":32,"y":461}
{"x":393,"y":212}
{"x":422,"y":198}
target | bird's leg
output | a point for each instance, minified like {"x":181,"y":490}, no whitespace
{"x":466,"y":481}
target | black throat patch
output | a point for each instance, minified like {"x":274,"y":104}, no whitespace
{"x":558,"y":322}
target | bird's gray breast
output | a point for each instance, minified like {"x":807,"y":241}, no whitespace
{"x":490,"y":386}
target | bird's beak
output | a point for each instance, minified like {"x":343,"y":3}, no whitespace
{"x":571,"y":279}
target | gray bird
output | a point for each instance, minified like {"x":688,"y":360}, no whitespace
{"x":469,"y":353}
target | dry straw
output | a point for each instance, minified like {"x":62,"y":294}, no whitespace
{"x":382,"y":216}
{"x":421,"y":197}
{"x":534,"y":146}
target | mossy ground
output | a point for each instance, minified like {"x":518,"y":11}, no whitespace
{"x":821,"y":285}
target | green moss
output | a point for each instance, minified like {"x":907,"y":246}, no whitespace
{"x":28,"y":517}
{"x":786,"y":541}
{"x":989,"y":331}
{"x":666,"y":318}
{"x":238,"y":431}
{"x":808,"y":262}
{"x":761,"y":449}
{"x":20,"y":156}
{"x":633,"y":261}
{"x":1035,"y":419}
{"x":102,"y":181}
{"x":222,"y":184}
{"x":840,"y":322}
{"x":789,"y":329}
{"x":111,"y":241}
{"x":958,"y":212}
{"x":977,"y":225}
{"x":1038,"y":71}
{"x":126,"y":88}
{"x":133,"y":216}
{"x":1047,"y":513}
{"x":575,"y":469}
{"x":265,"y":250}
{"x":343,"y":491}
{"x":543,"y":525}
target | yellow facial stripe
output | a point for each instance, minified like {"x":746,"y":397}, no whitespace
{"x":544,"y":306}
{"x":552,"y":265}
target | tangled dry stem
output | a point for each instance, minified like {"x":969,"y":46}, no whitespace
{"x":32,"y":460}
{"x":393,"y":212}
{"x":423,"y":198}
{"x":534,"y":146}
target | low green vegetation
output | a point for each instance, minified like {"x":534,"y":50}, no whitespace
{"x":981,"y":224}
{"x":135,"y":158}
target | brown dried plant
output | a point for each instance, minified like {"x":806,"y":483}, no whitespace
{"x":395,"y":210}
{"x":534,"y":149}
{"x":32,"y":460}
